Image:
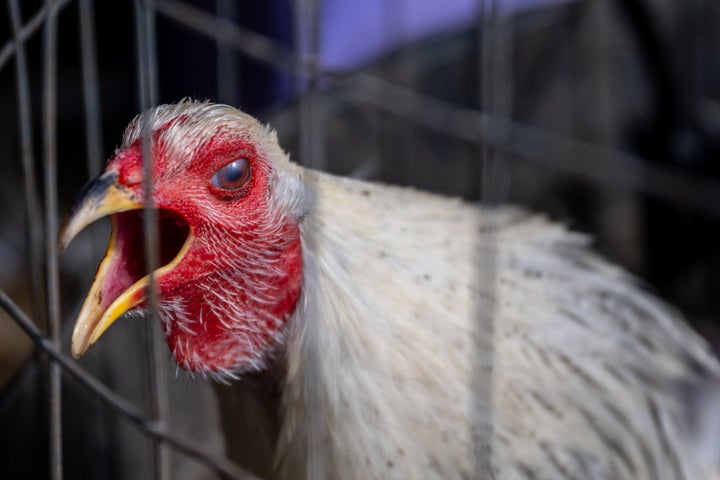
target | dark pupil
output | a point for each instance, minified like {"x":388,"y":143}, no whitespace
{"x":233,"y":175}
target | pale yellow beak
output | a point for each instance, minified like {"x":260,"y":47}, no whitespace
{"x":102,"y":197}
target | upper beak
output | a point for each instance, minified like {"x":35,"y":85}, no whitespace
{"x":101,"y":197}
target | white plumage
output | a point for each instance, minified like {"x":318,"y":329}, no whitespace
{"x":432,"y":339}
{"x":447,"y":341}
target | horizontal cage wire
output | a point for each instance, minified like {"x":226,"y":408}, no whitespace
{"x":604,"y":115}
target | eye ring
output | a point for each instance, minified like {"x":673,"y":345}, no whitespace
{"x":233,"y":177}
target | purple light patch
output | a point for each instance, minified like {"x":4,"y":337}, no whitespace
{"x":357,"y":32}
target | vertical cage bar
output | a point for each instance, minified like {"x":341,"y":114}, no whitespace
{"x":50,"y":187}
{"x":148,"y":87}
{"x":93,"y":146}
{"x":32,"y":196}
{"x":93,"y":123}
{"x":306,"y":26}
{"x":494,"y":95}
{"x":409,"y":74}
{"x":228,"y":80}
{"x":307,"y":43}
{"x":486,"y":43}
{"x":496,"y":47}
{"x":147,"y":61}
{"x":485,"y":272}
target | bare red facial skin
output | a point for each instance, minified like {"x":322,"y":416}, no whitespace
{"x":209,"y":344}
{"x":225,"y":303}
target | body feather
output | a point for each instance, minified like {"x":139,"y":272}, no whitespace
{"x":435,"y":339}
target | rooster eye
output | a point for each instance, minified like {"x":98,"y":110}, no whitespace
{"x":233,"y":176}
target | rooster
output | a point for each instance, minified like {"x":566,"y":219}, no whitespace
{"x":403,"y":334}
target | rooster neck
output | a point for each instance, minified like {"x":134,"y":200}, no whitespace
{"x":362,"y":348}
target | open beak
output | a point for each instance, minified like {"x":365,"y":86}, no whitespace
{"x":121,"y":280}
{"x":101,"y":197}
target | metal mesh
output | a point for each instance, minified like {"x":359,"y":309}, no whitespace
{"x":604,"y":114}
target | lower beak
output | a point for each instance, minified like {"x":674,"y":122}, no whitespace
{"x":101,"y":197}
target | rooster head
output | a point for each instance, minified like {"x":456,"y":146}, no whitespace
{"x":228,"y":205}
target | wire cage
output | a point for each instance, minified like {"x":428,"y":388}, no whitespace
{"x":603,"y":114}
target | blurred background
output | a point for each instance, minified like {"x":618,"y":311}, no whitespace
{"x":605,"y":114}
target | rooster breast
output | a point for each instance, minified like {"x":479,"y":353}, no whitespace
{"x":435,"y":339}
